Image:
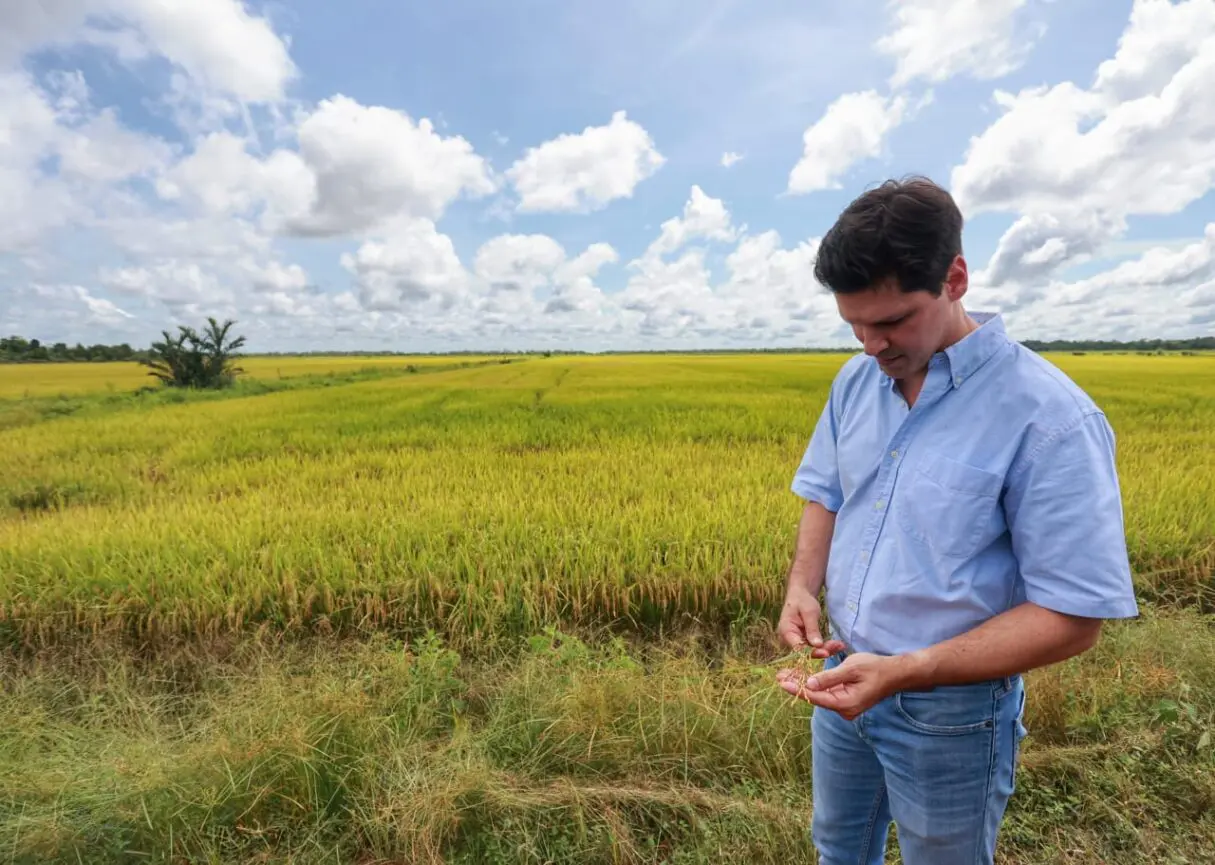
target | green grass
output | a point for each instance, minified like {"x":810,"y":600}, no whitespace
{"x":568,"y":751}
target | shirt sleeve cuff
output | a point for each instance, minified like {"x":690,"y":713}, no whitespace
{"x":813,"y":493}
{"x":1095,"y":608}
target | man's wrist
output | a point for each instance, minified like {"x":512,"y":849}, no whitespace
{"x":804,"y":584}
{"x":913,"y":670}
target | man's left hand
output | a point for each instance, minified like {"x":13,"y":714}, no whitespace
{"x":861,"y":681}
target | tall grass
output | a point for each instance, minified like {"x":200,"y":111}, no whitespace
{"x":570,"y":751}
{"x":494,"y":501}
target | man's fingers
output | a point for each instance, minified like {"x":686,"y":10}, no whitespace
{"x":787,"y":675}
{"x":828,"y":649}
{"x":794,"y":683}
{"x":810,"y":623}
{"x":792,"y":636}
{"x":830,"y":678}
{"x":836,"y":700}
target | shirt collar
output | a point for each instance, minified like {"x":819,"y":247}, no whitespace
{"x":967,"y":355}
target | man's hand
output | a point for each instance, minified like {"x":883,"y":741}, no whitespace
{"x":1024,"y":638}
{"x":857,"y":684}
{"x":798,"y":626}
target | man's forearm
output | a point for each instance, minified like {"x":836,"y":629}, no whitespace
{"x":814,"y":531}
{"x":1019,"y":640}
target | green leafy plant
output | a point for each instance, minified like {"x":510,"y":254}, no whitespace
{"x":190,"y":359}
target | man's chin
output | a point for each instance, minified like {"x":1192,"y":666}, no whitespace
{"x":894,"y":367}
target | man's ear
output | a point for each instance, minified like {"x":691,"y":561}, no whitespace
{"x":957,"y":280}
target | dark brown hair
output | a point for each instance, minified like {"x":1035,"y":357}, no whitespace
{"x":908,"y":229}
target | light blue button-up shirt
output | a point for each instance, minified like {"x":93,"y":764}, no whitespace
{"x":996,"y":487}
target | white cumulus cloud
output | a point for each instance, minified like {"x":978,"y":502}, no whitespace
{"x":1035,"y":246}
{"x":534,"y":272}
{"x":574,"y":289}
{"x":70,"y":308}
{"x":222,"y":177}
{"x":854,"y":127}
{"x":1163,"y":291}
{"x":1064,"y":148}
{"x":411,"y":264}
{"x":933,"y":40}
{"x":1160,"y":39}
{"x":704,"y":218}
{"x":375,"y":163}
{"x":768,"y":293}
{"x":1075,"y":163}
{"x":584,"y":171}
{"x":218,"y":43}
{"x":518,"y":261}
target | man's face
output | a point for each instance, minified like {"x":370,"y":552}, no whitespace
{"x":901,"y":329}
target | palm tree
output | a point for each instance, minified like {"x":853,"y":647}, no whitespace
{"x":208,"y":361}
{"x":220,"y":353}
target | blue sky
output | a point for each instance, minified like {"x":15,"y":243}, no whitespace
{"x":451,"y":176}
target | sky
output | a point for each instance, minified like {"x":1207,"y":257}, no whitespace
{"x":541,"y":174}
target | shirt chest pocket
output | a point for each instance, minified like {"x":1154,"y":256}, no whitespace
{"x":951,"y":507}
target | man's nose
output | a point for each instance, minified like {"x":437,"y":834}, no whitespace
{"x":874,"y":343}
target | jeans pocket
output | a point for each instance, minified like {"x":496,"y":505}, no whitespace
{"x":1019,"y":730}
{"x":1018,"y":734}
{"x":947,"y":711}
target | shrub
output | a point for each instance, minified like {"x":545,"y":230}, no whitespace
{"x":193,"y":360}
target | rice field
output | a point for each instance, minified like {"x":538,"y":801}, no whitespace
{"x":521,"y":612}
{"x":19,"y":381}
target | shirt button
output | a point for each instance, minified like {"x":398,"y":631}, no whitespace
{"x":851,"y":607}
{"x":864,"y":555}
{"x":958,"y":380}
{"x":880,"y":505}
{"x":894,"y":455}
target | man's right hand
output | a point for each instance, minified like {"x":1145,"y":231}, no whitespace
{"x":798,"y":626}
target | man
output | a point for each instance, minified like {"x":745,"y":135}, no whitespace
{"x":963,"y":512}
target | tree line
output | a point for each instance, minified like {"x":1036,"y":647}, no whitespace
{"x":191,"y":359}
{"x":18,"y":349}
{"x":1201,"y":343}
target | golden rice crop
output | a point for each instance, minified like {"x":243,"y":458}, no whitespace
{"x":72,"y":379}
{"x":634,"y":490}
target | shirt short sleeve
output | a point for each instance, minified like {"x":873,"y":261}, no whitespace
{"x":1065,"y":516}
{"x":817,"y":478}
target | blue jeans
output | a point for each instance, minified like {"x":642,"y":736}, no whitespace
{"x":939,"y":763}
